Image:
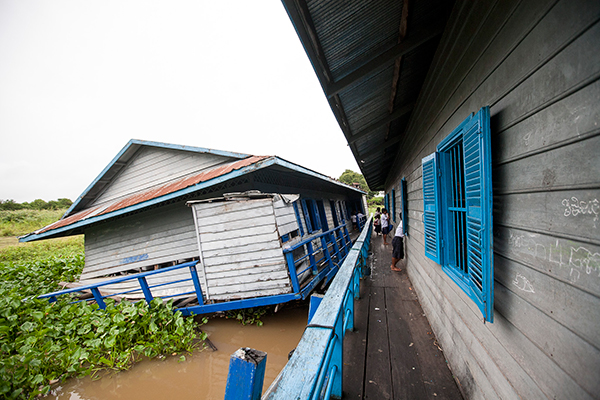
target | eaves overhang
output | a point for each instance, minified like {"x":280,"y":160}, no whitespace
{"x":371,"y":59}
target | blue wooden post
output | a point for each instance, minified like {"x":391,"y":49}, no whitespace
{"x":336,"y":249}
{"x":289,"y":257}
{"x":246,"y":374}
{"x":197,"y":286}
{"x":98,"y":298}
{"x":145,"y":289}
{"x":325,"y":248}
{"x":336,"y":358}
{"x":311,"y":257}
{"x":315,"y":300}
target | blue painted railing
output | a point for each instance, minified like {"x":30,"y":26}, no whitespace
{"x":324,"y":253}
{"x":315,"y":369}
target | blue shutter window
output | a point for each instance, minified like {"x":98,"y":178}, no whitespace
{"x":478,"y":181}
{"x":297,"y":212}
{"x":465,"y":207}
{"x":305,"y":208}
{"x":431,"y":214}
{"x":404,"y":205}
{"x":394,"y":204}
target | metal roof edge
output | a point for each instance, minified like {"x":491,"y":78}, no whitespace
{"x":100,"y":175}
{"x":231,"y":175}
{"x":299,"y":168}
{"x":191,"y":148}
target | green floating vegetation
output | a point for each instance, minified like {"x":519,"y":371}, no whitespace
{"x":248,"y":316}
{"x":43,"y":343}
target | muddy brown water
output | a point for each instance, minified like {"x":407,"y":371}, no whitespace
{"x":204,"y":374}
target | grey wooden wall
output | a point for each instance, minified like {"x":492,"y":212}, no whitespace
{"x":149,"y":238}
{"x":151,"y":167}
{"x":537,"y":64}
{"x":240,"y":249}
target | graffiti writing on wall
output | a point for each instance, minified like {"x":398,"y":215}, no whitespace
{"x":578,"y":259}
{"x":575,"y":207}
{"x":523,"y":283}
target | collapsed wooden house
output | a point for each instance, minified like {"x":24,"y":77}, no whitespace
{"x":248,"y":226}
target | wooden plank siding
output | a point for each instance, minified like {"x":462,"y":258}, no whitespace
{"x":537,"y":65}
{"x":151,"y":167}
{"x":146,"y":239}
{"x":240,"y":249}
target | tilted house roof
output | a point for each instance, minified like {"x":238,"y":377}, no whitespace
{"x":98,"y":203}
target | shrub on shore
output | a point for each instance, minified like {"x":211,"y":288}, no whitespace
{"x":42,"y":343}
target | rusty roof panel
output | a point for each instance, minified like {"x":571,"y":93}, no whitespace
{"x":155,"y":193}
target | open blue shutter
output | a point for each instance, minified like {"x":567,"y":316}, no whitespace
{"x":387,"y":201}
{"x":394,"y":204}
{"x":431,"y":213}
{"x":295,"y":204}
{"x":404,"y":205}
{"x":317,"y":220}
{"x":478,"y":185}
{"x":306,"y":217}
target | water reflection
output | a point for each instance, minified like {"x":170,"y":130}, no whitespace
{"x":204,"y":374}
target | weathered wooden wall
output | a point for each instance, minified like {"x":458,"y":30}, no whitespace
{"x":537,"y":64}
{"x":240,"y":249}
{"x":151,"y":167}
{"x":149,"y":238}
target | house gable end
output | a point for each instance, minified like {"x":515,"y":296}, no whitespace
{"x":151,"y":167}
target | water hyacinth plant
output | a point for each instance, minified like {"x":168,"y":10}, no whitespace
{"x":42,"y":343}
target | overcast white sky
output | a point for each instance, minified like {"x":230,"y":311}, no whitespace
{"x":78,"y":79}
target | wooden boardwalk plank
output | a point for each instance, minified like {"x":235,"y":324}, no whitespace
{"x":392,"y":353}
{"x":378,"y":374}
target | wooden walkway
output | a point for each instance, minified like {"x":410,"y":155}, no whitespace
{"x":393,"y":353}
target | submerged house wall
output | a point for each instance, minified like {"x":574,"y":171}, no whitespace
{"x":536,"y":64}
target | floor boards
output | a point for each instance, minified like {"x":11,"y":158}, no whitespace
{"x":392,"y":353}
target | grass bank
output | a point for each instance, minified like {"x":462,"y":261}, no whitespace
{"x":21,"y":222}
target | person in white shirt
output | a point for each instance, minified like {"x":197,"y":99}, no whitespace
{"x":385,"y":220}
{"x":398,"y":246}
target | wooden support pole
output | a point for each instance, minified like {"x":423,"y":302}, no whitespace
{"x":246,"y":374}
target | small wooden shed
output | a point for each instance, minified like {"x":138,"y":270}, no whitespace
{"x":240,"y":245}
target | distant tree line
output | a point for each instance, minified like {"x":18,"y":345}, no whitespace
{"x":37,"y":204}
{"x":352,"y":178}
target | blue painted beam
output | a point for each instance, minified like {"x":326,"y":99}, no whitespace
{"x":246,"y":374}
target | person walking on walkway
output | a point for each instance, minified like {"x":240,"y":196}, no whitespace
{"x":377,"y":221}
{"x":385,"y":221}
{"x":398,"y":246}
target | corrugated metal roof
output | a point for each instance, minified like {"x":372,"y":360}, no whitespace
{"x":154,"y":193}
{"x":353,"y":47}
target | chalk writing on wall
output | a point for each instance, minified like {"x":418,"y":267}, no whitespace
{"x":523,"y":283}
{"x":578,"y":260}
{"x":575,"y":207}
